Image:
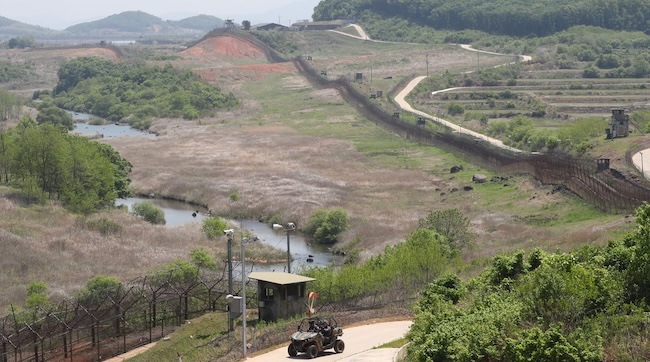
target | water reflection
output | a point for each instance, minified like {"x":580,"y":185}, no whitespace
{"x":301,"y":250}
{"x":178,"y":212}
{"x":109,"y":130}
{"x":105,"y":130}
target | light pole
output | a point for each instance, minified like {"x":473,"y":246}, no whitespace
{"x":243,"y":289}
{"x":290,"y":227}
{"x":243,"y":295}
{"x":229,"y":233}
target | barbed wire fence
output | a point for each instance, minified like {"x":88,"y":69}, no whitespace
{"x":146,"y":310}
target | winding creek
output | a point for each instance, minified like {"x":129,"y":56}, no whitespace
{"x":179,"y":212}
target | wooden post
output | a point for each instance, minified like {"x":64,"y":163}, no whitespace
{"x":65,"y":346}
{"x":4,"y":352}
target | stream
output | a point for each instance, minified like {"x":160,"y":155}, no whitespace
{"x":179,"y":212}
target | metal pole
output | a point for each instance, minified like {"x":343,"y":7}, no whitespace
{"x":288,"y":255}
{"x":243,"y":293}
{"x":231,"y":322}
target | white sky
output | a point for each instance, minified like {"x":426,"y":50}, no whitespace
{"x":60,"y":14}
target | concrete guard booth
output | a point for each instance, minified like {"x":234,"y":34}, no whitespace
{"x":280,"y":295}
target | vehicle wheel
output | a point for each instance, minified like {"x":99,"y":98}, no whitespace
{"x":292,"y":350}
{"x":312,"y":351}
{"x":339,"y":346}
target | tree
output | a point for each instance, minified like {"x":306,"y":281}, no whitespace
{"x":49,"y":113}
{"x":246,"y":24}
{"x":325,"y":226}
{"x":9,"y":105}
{"x":21,"y":42}
{"x":47,"y":162}
{"x":455,"y":109}
{"x":638,"y":273}
{"x":452,"y":224}
{"x":100,"y":288}
{"x":149,"y":212}
{"x":202,"y":259}
{"x":36,"y":295}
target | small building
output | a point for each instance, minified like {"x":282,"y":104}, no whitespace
{"x":280,"y":295}
{"x":619,"y":124}
{"x":270,"y":26}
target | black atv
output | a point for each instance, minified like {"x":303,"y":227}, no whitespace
{"x":315,"y":335}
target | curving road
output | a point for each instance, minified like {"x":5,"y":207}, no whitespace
{"x":403,"y":104}
{"x":400,"y":99}
{"x":642,"y":163}
{"x":359,"y":344}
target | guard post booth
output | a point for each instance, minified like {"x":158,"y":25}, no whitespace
{"x":280,"y":295}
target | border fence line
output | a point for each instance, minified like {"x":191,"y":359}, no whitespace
{"x":607,"y":189}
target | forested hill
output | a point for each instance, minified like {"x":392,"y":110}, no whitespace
{"x":507,"y":17}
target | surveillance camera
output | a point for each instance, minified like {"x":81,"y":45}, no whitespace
{"x":291,"y":225}
{"x":229,"y":232}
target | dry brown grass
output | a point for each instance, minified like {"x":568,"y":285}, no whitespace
{"x":47,"y":243}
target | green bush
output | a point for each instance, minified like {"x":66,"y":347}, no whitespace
{"x":455,"y":109}
{"x":452,"y":224}
{"x":149,"y":212}
{"x":213,"y":227}
{"x":105,"y":226}
{"x":99,"y":289}
{"x":325,"y":226}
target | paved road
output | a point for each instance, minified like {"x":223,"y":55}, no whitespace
{"x":359,"y":342}
{"x":400,"y":98}
{"x":641,"y":161}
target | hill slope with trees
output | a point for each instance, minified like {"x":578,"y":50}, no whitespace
{"x":506,"y":17}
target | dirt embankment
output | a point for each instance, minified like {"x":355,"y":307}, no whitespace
{"x":230,"y":58}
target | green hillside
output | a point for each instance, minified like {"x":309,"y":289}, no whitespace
{"x":199,"y":22}
{"x":507,"y":17}
{"x":11,"y":28}
{"x":128,"y":21}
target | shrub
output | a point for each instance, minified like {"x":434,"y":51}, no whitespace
{"x":455,"y":109}
{"x":99,"y":289}
{"x":452,"y":224}
{"x":202,"y":259}
{"x":535,"y":345}
{"x":325,"y":226}
{"x":213,"y":227}
{"x":591,"y":72}
{"x":149,"y":212}
{"x":105,"y":226}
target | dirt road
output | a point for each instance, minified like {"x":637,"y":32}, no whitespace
{"x":359,"y":344}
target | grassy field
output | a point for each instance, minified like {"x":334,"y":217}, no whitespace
{"x":288,"y":150}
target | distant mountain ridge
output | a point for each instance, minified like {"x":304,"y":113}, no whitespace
{"x":11,"y":28}
{"x":125,"y":24}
